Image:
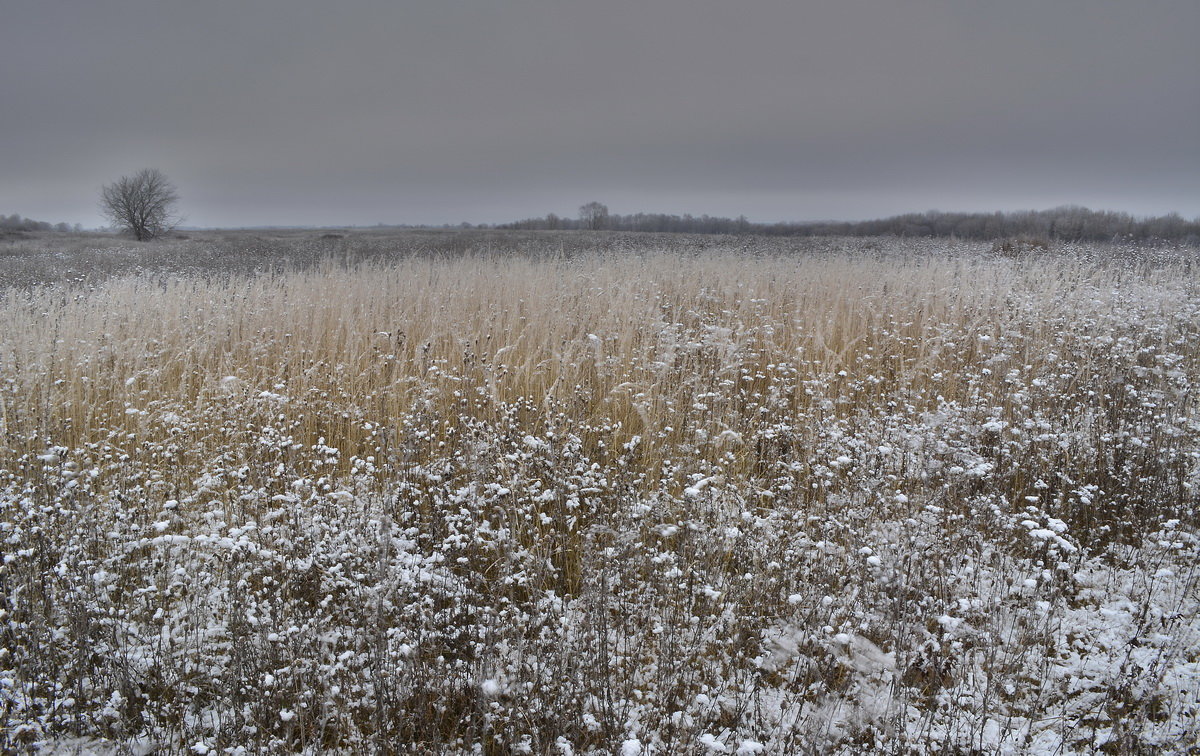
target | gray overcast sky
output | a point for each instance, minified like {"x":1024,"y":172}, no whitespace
{"x":301,"y":112}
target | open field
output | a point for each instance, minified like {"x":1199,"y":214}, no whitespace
{"x":599,"y":494}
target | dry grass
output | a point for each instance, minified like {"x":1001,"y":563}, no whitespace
{"x":879,"y":497}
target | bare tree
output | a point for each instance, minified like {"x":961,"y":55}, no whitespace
{"x":142,"y":204}
{"x":593,"y":215}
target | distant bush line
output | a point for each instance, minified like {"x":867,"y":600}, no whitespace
{"x":15,"y":222}
{"x":1068,"y":224}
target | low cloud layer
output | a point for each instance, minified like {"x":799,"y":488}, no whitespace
{"x":312,"y":113}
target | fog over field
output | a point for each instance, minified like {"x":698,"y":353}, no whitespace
{"x":640,"y":378}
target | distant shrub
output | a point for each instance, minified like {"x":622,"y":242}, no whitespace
{"x":1020,"y":246}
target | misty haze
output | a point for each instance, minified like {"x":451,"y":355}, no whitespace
{"x":616,"y":378}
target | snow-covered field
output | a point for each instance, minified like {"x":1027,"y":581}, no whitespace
{"x":883,"y":496}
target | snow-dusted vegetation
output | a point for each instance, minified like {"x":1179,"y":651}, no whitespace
{"x":893,"y":496}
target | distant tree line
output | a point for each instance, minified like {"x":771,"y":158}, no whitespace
{"x":15,"y":222}
{"x":1068,"y":223}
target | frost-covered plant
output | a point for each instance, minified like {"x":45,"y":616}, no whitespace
{"x":900,"y":498}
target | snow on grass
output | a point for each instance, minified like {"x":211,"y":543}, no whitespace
{"x":673,"y":501}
